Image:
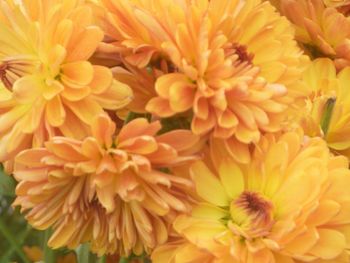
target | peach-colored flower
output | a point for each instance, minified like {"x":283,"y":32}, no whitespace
{"x":231,"y":62}
{"x":48,"y":85}
{"x":323,"y":29}
{"x":107,"y":189}
{"x":289,"y":205}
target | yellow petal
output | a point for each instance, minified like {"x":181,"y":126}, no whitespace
{"x":77,"y":74}
{"x":52,"y":89}
{"x":28,"y":88}
{"x":55,"y":113}
{"x":102,"y":80}
{"x":330,"y":245}
{"x":232,"y":178}
{"x":86,"y":110}
{"x":117,"y":96}
{"x":208,"y":186}
{"x":85,"y":44}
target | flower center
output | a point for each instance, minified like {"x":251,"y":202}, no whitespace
{"x":162,"y":66}
{"x":252,"y":215}
{"x":13,"y":69}
{"x":240,"y":51}
{"x":4,"y":76}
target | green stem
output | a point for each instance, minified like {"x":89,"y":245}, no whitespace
{"x":84,"y":255}
{"x":102,"y":259}
{"x":124,"y":260}
{"x":49,"y":254}
{"x":11,"y":239}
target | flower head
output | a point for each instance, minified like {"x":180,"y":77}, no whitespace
{"x":326,"y":103}
{"x":321,"y":27}
{"x":107,"y":189}
{"x":234,"y":81}
{"x":48,"y":85}
{"x":290,"y":204}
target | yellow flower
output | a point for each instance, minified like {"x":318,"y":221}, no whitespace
{"x":48,"y":85}
{"x":229,"y":63}
{"x":106,"y":189}
{"x":323,"y":30}
{"x":327,"y":103}
{"x":289,"y":205}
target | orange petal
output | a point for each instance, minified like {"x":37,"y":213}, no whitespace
{"x":160,"y":106}
{"x":76,"y":74}
{"x":139,"y":145}
{"x":138,"y":127}
{"x":102,"y":80}
{"x":55,"y":113}
{"x":208,"y":186}
{"x":103,"y":130}
{"x":116,"y":96}
{"x":85,"y":44}
{"x":188,"y":139}
{"x":86,"y":110}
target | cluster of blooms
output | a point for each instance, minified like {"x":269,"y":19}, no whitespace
{"x":194,"y":131}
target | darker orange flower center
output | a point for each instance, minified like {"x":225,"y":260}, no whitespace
{"x":252,"y":215}
{"x":11,"y":70}
{"x":4,"y":67}
{"x":241,"y":51}
{"x":164,"y":65}
{"x":255,"y":205}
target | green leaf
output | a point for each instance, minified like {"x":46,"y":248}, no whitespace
{"x":7,"y":184}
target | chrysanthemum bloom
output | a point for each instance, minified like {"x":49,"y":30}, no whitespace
{"x":49,"y":87}
{"x":325,"y":31}
{"x":290,"y":204}
{"x":230,"y":62}
{"x":327,"y":105}
{"x":109,"y":190}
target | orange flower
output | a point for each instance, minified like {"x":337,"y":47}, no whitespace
{"x":290,"y":205}
{"x":48,"y":85}
{"x":231,"y":71}
{"x":110,"y":191}
{"x":323,"y":29}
